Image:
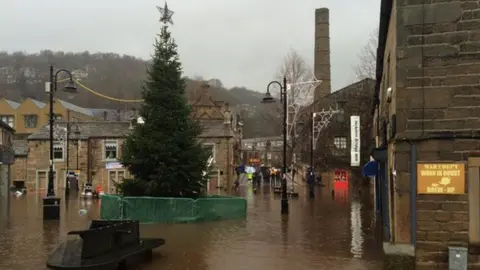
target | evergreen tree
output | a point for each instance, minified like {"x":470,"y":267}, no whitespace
{"x":163,"y":153}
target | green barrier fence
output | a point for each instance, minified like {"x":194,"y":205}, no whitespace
{"x":172,"y":210}
{"x":111,"y":207}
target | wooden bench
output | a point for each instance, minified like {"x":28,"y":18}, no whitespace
{"x":107,"y":244}
{"x":108,"y":236}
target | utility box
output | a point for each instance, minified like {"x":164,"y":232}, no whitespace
{"x":457,"y":258}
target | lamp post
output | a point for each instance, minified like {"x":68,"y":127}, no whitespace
{"x":51,"y":203}
{"x":283,"y":98}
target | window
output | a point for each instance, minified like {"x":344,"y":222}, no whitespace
{"x":7,"y":119}
{"x":340,"y":142}
{"x":341,"y":112}
{"x":58,"y":117}
{"x":110,"y":149}
{"x":30,"y":121}
{"x":58,"y":150}
{"x":210,"y":147}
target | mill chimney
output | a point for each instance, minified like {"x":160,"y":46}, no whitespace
{"x":322,"y":53}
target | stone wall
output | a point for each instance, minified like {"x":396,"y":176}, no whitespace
{"x":438,"y":71}
{"x":436,"y":94}
{"x":39,"y":156}
{"x":19,"y":169}
{"x":223,"y":153}
{"x":442,"y":221}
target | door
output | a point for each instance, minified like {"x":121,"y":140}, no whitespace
{"x":115,"y":177}
{"x":112,"y":181}
{"x":42,"y":181}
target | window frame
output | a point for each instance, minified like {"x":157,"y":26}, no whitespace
{"x":25,"y":120}
{"x":340,"y":142}
{"x":213,"y":145}
{"x":58,"y":144}
{"x":7,"y":117}
{"x":110,"y":141}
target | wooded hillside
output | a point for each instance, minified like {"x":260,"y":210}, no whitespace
{"x":24,"y":75}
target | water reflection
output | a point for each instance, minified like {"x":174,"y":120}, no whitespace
{"x":356,"y":224}
{"x":317,"y":234}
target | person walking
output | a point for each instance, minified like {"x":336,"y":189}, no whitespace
{"x":310,"y":177}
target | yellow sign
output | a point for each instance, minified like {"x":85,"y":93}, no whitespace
{"x":441,"y":178}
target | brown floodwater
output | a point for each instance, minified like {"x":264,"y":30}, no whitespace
{"x":324,"y":233}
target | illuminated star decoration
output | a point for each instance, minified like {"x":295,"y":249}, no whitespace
{"x":166,"y":14}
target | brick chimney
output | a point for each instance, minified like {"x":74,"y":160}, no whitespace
{"x":322,"y":52}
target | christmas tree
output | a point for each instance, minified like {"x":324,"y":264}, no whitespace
{"x":163,"y":154}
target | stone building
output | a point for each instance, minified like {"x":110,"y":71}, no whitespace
{"x":222,"y":135}
{"x":6,"y":158}
{"x":91,"y":152}
{"x":19,"y":168}
{"x":427,"y":104}
{"x":332,"y":149}
{"x":268,"y":150}
{"x":30,"y":115}
{"x":93,"y":148}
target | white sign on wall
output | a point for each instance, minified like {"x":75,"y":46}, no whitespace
{"x":355,"y":141}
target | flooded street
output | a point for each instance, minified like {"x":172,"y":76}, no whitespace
{"x":323,"y":233}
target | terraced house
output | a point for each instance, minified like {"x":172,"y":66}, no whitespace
{"x":27,"y":117}
{"x":30,"y":115}
{"x":6,"y":159}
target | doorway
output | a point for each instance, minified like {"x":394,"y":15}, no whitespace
{"x":115,"y":177}
{"x":42,"y":181}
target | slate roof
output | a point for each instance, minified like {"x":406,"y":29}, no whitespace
{"x":6,"y":126}
{"x":75,"y":108}
{"x":113,"y":115}
{"x":12,"y":104}
{"x":38,"y":103}
{"x":119,"y":129}
{"x":112,"y":129}
{"x":263,"y":139}
{"x":215,"y":129}
{"x":20,"y":147}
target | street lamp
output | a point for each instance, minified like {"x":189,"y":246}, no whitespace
{"x":283,"y":98}
{"x":51,"y":203}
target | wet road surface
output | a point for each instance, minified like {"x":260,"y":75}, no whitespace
{"x":325,"y":233}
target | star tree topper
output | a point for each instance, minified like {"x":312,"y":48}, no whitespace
{"x":165,"y":14}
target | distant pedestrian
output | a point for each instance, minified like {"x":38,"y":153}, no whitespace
{"x":311,"y":182}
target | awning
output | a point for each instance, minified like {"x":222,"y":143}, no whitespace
{"x":111,"y":145}
{"x":370,"y":169}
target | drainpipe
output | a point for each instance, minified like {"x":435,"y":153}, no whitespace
{"x":89,"y":161}
{"x":413,"y":193}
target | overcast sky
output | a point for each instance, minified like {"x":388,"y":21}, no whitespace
{"x":240,"y":42}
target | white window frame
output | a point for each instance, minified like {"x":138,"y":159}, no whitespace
{"x":6,"y":119}
{"x":110,"y":141}
{"x":340,"y":142}
{"x":59,"y":144}
{"x":214,"y":150}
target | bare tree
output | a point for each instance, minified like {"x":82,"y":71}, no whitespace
{"x":367,"y":65}
{"x":301,"y":84}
